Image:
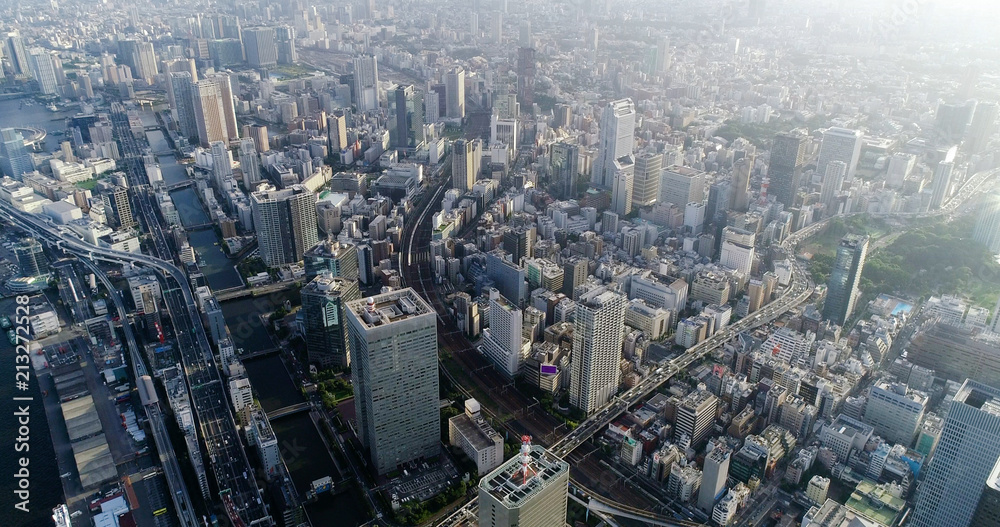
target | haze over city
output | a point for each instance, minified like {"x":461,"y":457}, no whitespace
{"x":497,"y":263}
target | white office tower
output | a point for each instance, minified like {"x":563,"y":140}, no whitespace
{"x":597,"y":349}
{"x":840,"y":144}
{"x":249,"y":163}
{"x":529,"y":490}
{"x":502,"y":342}
{"x":621,"y":192}
{"x":260,"y":45}
{"x":737,"y":250}
{"x":616,"y":140}
{"x":681,"y":185}
{"x":366,"y":83}
{"x":964,"y":456}
{"x":222,"y":163}
{"x":647,"y":179}
{"x":225,"y":82}
{"x":987,"y":228}
{"x":713,"y":478}
{"x":393,"y":345}
{"x":209,"y":113}
{"x":454,"y":93}
{"x":285,"y":221}
{"x":43,"y":70}
{"x":833,"y":181}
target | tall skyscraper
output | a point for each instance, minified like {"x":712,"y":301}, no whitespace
{"x":139,"y":56}
{"x":285,"y":221}
{"x":44,"y":70}
{"x":951,"y":120}
{"x":617,"y":139}
{"x":225,"y":82}
{"x":338,"y":258}
{"x":14,"y":157}
{"x":502,"y":341}
{"x":393,"y":343}
{"x":249,"y":163}
{"x":647,"y":179}
{"x":842,"y":287}
{"x":181,"y":94}
{"x":407,"y":117}
{"x":324,"y":319}
{"x":18,"y":54}
{"x":740,"y":195}
{"x":463,"y":174}
{"x":942,"y":181}
{"x":737,"y":249}
{"x":260,"y":46}
{"x":564,"y":166}
{"x":621,"y":190}
{"x":597,"y":349}
{"x":984,"y":125}
{"x":454,"y":89}
{"x":366,"y":91}
{"x":965,"y":456}
{"x":528,"y":490}
{"x":258,"y":133}
{"x":682,"y":185}
{"x":713,"y":478}
{"x":336,"y":128}
{"x":987,"y":228}
{"x":209,"y":113}
{"x":833,"y":182}
{"x":840,"y":144}
{"x":118,"y":209}
{"x":222,"y":163}
{"x":526,"y":66}
{"x":988,"y":508}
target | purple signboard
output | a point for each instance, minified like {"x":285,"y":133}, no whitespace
{"x":548,"y":369}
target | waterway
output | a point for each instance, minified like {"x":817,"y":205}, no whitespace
{"x":45,"y":485}
{"x":243,"y":318}
{"x":36,"y":116}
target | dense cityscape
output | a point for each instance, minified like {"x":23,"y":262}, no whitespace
{"x":500,"y":263}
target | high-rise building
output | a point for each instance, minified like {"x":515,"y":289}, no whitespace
{"x":454,"y":89}
{"x":987,"y":229}
{"x":258,"y":133}
{"x":622,"y":188}
{"x":965,"y":456}
{"x":140,"y":57}
{"x":18,"y":53}
{"x":616,"y":140}
{"x":942,"y":181}
{"x":988,"y":508}
{"x":840,"y":144}
{"x":597,"y":349}
{"x":984,"y":125}
{"x":261,"y":47}
{"x":225,"y":82}
{"x":463,"y":174}
{"x":788,"y":152}
{"x":366,"y":90}
{"x":833,"y":182}
{"x":118,"y":209}
{"x":249,"y":163}
{"x":694,"y":416}
{"x":575,"y":271}
{"x":740,"y":195}
{"x":519,"y":242}
{"x":407,"y":118}
{"x":526,"y":67}
{"x":338,"y":258}
{"x":222,"y":163}
{"x":285,"y":42}
{"x":737,"y":250}
{"x":682,"y":185}
{"x":895,"y":412}
{"x":647,"y":179}
{"x":181,"y":94}
{"x":952,"y":120}
{"x":713,"y":478}
{"x":324,"y":319}
{"x":528,"y":490}
{"x":43,"y":69}
{"x":14,"y":157}
{"x":842,"y":287}
{"x":502,"y":341}
{"x":209,"y":113}
{"x":564,"y":166}
{"x":393,"y":343}
{"x":285,"y":221}
{"x":31,"y":259}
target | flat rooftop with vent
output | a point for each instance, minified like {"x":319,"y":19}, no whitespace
{"x":527,"y":490}
{"x":387,"y":308}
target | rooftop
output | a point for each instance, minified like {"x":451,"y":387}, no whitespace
{"x":476,"y":430}
{"x":508,"y":485}
{"x":387,"y":308}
